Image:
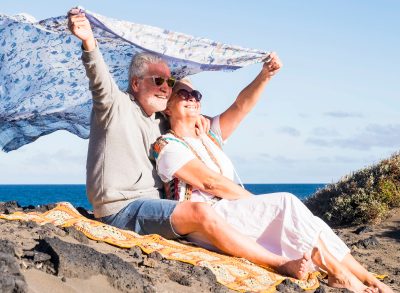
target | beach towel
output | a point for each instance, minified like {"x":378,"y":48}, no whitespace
{"x":235,"y":273}
{"x":43,"y":84}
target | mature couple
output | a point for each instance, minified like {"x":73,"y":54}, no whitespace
{"x":129,"y":137}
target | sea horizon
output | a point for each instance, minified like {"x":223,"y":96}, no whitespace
{"x":85,"y":184}
{"x":41,"y":194}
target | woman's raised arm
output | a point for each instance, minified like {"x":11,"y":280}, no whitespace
{"x":248,"y":97}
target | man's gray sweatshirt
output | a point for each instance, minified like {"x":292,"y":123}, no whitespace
{"x":119,"y":168}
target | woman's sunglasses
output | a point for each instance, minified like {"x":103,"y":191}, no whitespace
{"x":158,"y":80}
{"x":186,"y":95}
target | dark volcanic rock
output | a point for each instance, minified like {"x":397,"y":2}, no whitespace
{"x":9,"y":207}
{"x":29,"y":224}
{"x":36,"y":256}
{"x":378,"y":260}
{"x":11,"y":279}
{"x":363,"y":229}
{"x":208,"y":280}
{"x":137,"y":254}
{"x":288,"y":286}
{"x":155,"y":255}
{"x":179,"y":278}
{"x":80,"y":261}
{"x":77,"y":235}
{"x":39,"y":208}
{"x":320,"y":289}
{"x":368,"y":242}
{"x":85,"y":213}
{"x":49,"y":230}
{"x":7,"y":247}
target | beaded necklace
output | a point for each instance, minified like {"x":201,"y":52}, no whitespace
{"x":210,"y":154}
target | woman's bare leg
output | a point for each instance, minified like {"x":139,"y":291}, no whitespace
{"x":363,"y":275}
{"x":339,"y":276}
{"x":200,"y":218}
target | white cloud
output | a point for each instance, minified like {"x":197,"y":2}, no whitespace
{"x":373,"y":135}
{"x":341,"y":114}
{"x":324,"y":131}
{"x":289,"y":131}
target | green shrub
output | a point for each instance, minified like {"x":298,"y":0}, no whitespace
{"x":365,"y":196}
{"x":390,"y":192}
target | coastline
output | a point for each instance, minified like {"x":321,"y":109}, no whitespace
{"x":42,"y":194}
{"x":83,"y":265}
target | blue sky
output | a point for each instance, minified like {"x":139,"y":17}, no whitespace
{"x":333,"y":108}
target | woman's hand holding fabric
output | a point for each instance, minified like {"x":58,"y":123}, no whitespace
{"x":272,"y":65}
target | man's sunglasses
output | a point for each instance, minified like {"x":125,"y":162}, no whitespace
{"x":185,"y":94}
{"x":158,"y":80}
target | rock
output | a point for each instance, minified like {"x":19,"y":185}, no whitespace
{"x":149,"y":289}
{"x":18,"y":251}
{"x":378,"y":260}
{"x":29,"y":224}
{"x":29,"y":254}
{"x":11,"y":279}
{"x":204,"y":275}
{"x":77,"y":235}
{"x":8,"y":265}
{"x":40,"y":256}
{"x":180,"y":278}
{"x":29,"y":208}
{"x":9,"y":207}
{"x":148,"y":262}
{"x":85,"y":213}
{"x":39,"y":208}
{"x":363,"y":229}
{"x":48,"y":230}
{"x":321,"y":289}
{"x":288,"y":286}
{"x":155,"y":255}
{"x":7,"y":247}
{"x":136,"y":253}
{"x":79,"y":261}
{"x":36,"y":256}
{"x":368,"y":242}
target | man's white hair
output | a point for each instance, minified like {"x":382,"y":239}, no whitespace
{"x":139,"y":65}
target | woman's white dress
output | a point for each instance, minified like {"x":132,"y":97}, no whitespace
{"x":280,"y":222}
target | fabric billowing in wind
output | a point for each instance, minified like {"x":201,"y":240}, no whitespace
{"x":43,"y":83}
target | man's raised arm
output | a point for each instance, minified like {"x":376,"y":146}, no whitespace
{"x":80,"y":27}
{"x":101,"y":83}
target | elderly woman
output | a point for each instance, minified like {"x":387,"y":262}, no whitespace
{"x":290,"y":234}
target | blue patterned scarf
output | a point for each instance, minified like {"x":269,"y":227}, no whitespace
{"x":43,"y":83}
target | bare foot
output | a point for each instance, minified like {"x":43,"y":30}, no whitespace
{"x":382,"y":287}
{"x":297,"y":268}
{"x":349,"y":281}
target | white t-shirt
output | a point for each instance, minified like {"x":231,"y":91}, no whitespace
{"x":176,"y":153}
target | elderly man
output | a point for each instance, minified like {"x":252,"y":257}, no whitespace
{"x":122,"y":183}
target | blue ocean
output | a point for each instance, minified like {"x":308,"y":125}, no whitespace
{"x":35,"y":195}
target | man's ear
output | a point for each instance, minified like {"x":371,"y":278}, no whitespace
{"x":135,"y":84}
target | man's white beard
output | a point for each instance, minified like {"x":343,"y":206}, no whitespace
{"x":157,"y":104}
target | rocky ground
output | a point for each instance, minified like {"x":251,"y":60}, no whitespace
{"x":46,"y":258}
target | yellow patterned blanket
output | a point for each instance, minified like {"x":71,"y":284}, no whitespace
{"x":235,"y":273}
